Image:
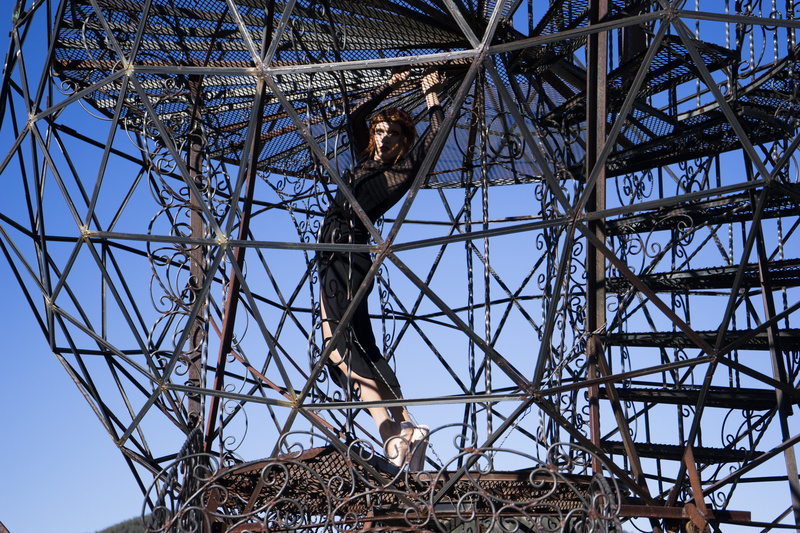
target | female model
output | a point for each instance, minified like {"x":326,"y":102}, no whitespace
{"x":387,"y":165}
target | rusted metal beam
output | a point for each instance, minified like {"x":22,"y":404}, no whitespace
{"x":678,"y":513}
{"x":232,"y":301}
{"x":697,"y":511}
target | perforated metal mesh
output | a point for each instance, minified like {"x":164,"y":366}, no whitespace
{"x":195,"y":66}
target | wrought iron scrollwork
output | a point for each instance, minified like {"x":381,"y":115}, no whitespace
{"x":350,"y":488}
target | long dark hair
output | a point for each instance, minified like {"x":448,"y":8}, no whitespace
{"x":397,"y":116}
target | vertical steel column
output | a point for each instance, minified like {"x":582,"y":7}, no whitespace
{"x":778,"y":364}
{"x":232,"y":300}
{"x":471,"y":416}
{"x":469,"y":192}
{"x":480,"y":105}
{"x":197,"y":267}
{"x":596,"y":127}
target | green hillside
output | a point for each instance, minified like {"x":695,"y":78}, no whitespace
{"x":134,"y":525}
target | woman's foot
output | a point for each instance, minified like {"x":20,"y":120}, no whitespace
{"x":418,"y":445}
{"x":397,"y":447}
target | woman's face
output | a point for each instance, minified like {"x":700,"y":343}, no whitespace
{"x":388,"y":141}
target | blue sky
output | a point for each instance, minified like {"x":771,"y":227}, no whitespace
{"x":59,"y":466}
{"x":60,"y":470}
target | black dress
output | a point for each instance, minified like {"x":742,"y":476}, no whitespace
{"x":377,"y":186}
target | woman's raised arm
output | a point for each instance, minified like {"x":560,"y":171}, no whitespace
{"x":360,"y":113}
{"x":431,"y":85}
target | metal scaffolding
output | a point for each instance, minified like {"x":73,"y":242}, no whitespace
{"x":590,"y":293}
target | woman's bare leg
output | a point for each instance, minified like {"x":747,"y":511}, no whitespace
{"x":369,"y":390}
{"x":388,"y":424}
{"x":399,"y":412}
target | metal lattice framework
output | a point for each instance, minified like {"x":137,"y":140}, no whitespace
{"x":597,"y":266}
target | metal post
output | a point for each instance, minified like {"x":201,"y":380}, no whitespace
{"x":596,"y":67}
{"x":197,"y":267}
{"x":480,"y":101}
{"x":778,"y":364}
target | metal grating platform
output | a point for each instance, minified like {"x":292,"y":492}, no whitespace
{"x":745,"y":340}
{"x":338,"y":490}
{"x":782,"y":274}
{"x":705,"y":456}
{"x":174,"y":40}
{"x":315,"y":473}
{"x":698,"y":213}
{"x":718,"y":397}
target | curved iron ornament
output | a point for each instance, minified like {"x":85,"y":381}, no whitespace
{"x":328,"y":488}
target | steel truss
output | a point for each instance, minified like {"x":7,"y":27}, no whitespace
{"x":595,"y":266}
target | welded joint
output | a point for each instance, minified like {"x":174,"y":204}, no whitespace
{"x":669,"y":12}
{"x":262,"y":71}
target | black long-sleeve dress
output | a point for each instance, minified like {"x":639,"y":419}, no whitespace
{"x":377,"y":186}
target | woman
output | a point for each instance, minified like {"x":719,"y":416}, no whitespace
{"x":388,"y":163}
